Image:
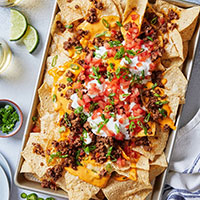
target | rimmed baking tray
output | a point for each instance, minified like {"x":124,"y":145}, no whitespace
{"x":20,"y":179}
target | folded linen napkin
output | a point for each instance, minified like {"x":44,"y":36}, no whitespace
{"x":183,"y":180}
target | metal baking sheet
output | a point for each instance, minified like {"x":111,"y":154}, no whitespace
{"x":19,"y":178}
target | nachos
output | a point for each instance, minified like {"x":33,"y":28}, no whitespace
{"x":111,"y":91}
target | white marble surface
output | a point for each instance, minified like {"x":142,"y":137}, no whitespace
{"x":18,"y":82}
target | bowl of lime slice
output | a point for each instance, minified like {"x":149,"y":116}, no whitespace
{"x":11,"y":118}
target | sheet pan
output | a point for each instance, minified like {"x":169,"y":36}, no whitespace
{"x":19,"y":178}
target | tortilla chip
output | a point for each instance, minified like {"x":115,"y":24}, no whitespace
{"x":119,"y":7}
{"x":174,"y":102}
{"x":67,"y":7}
{"x":176,"y":82}
{"x":141,"y":195}
{"x":174,"y":47}
{"x":139,"y":5}
{"x":45,"y":98}
{"x":157,"y":166}
{"x":110,"y":8}
{"x":187,"y":18}
{"x":121,"y":190}
{"x":33,"y":159}
{"x":76,"y":188}
{"x":187,"y":22}
{"x":157,"y":144}
{"x":49,"y":125}
{"x":54,"y":26}
{"x":26,"y":168}
{"x":177,"y":62}
{"x":142,"y":163}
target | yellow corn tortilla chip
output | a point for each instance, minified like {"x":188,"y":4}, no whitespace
{"x":157,"y":166}
{"x":119,"y":7}
{"x":36,"y":162}
{"x":54,"y":26}
{"x":110,"y":9}
{"x":121,"y":190}
{"x":46,"y":101}
{"x":177,"y":62}
{"x":187,"y":17}
{"x":67,"y":7}
{"x":176,"y":82}
{"x":173,"y":103}
{"x":142,"y":163}
{"x":157,"y":143}
{"x":40,"y":111}
{"x":187,"y":22}
{"x":49,"y":125}
{"x":141,"y":195}
{"x":174,"y":47}
{"x":26,"y":168}
{"x":76,"y":188}
{"x":139,"y":5}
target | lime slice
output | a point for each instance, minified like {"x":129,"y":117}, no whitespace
{"x":18,"y":25}
{"x":31,"y":39}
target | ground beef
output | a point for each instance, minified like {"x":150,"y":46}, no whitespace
{"x":157,"y":78}
{"x":92,"y":18}
{"x":77,"y":6}
{"x":163,"y":27}
{"x":157,"y":53}
{"x":68,"y":93}
{"x":75,"y":41}
{"x":70,"y":74}
{"x":82,"y":33}
{"x":166,"y":128}
{"x":55,"y":172}
{"x":48,"y":184}
{"x":143,"y":141}
{"x":38,"y":149}
{"x":81,"y":62}
{"x":173,"y":15}
{"x":127,"y":26}
{"x":98,"y":5}
{"x":60,"y":26}
{"x":98,"y":42}
{"x":103,"y":173}
{"x":173,"y":26}
{"x":119,"y":36}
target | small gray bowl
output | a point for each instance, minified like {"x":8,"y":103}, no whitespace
{"x":18,"y":125}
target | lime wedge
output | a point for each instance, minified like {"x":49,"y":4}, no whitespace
{"x":18,"y":25}
{"x":31,"y":39}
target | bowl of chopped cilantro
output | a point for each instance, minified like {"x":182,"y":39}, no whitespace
{"x":11,"y":118}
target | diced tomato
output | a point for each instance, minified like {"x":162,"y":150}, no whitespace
{"x":152,"y":66}
{"x":111,"y":52}
{"x":139,"y":64}
{"x":95,"y":62}
{"x":119,"y":136}
{"x":137,"y":110}
{"x":121,"y":162}
{"x":77,"y":85}
{"x":134,"y":17}
{"x":88,"y":58}
{"x":86,"y":98}
{"x":96,"y":113}
{"x":101,"y":104}
{"x":107,"y":45}
{"x":80,"y":102}
{"x":161,"y":20}
{"x":108,"y":132}
{"x":36,"y":129}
